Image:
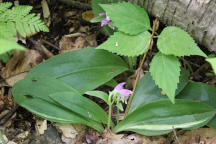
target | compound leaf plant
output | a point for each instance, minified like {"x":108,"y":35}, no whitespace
{"x":54,"y":89}
{"x":17,"y":20}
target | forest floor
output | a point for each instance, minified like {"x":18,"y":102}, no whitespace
{"x":70,"y":29}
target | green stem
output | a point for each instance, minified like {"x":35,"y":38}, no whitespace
{"x":109,"y":116}
{"x":117,"y":115}
{"x":130,"y":62}
{"x":2,"y":138}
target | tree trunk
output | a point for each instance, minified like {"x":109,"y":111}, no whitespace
{"x":197,"y":17}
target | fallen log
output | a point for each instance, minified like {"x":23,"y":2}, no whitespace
{"x":197,"y":17}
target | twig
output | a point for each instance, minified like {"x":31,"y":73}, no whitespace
{"x":176,"y":137}
{"x":50,"y":44}
{"x":149,"y":46}
{"x":8,"y":116}
{"x":76,"y":4}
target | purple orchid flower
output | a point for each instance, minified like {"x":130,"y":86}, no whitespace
{"x":124,"y":92}
{"x":106,"y":20}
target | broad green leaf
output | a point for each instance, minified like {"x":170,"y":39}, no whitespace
{"x":99,"y":94}
{"x":212,"y":61}
{"x":175,"y":41}
{"x":80,"y":105}
{"x":127,"y":17}
{"x":33,"y":94}
{"x":84,"y":69}
{"x":97,"y":9}
{"x":200,"y":92}
{"x":165,"y":70}
{"x":112,"y":83}
{"x":7,"y":45}
{"x":183,"y":80}
{"x":96,"y":5}
{"x":162,"y":116}
{"x":127,"y":45}
{"x":147,"y":91}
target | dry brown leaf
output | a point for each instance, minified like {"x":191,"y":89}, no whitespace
{"x":198,"y":136}
{"x":70,"y":133}
{"x":76,"y":41}
{"x":40,"y":126}
{"x":18,"y":66}
{"x":88,"y":15}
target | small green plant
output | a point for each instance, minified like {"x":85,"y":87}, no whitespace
{"x":17,"y":20}
{"x":53,"y":90}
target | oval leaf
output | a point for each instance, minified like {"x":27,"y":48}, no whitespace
{"x":162,"y":116}
{"x":80,"y":105}
{"x":84,"y":69}
{"x":126,"y":45}
{"x":33,"y":94}
{"x":165,"y":70}
{"x":99,"y":94}
{"x":175,"y":41}
{"x":147,"y":91}
{"x":200,"y":92}
{"x":127,"y":17}
{"x":212,"y":61}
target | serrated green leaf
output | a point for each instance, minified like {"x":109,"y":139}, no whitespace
{"x":127,"y":45}
{"x":20,"y":28}
{"x":161,"y":117}
{"x":7,"y":45}
{"x":99,"y":94}
{"x":84,"y":69}
{"x":127,"y":17}
{"x":165,"y":70}
{"x":212,"y":61}
{"x":33,"y":94}
{"x":175,"y":41}
{"x":80,"y":105}
{"x":96,"y":5}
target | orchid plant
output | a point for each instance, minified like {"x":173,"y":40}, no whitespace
{"x":55,"y":89}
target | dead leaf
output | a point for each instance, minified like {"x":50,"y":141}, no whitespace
{"x":18,"y":66}
{"x":40,"y":126}
{"x":76,"y":41}
{"x":88,"y":15}
{"x":46,"y":12}
{"x":198,"y":136}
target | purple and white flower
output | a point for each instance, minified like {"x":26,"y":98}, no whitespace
{"x":106,"y":20}
{"x":122,"y":91}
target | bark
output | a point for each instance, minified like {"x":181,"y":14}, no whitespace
{"x":197,"y":17}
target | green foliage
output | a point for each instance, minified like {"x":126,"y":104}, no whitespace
{"x":80,"y":105}
{"x":34,"y":95}
{"x":127,"y":45}
{"x":99,"y":94}
{"x":162,"y":116}
{"x":17,"y":19}
{"x":5,"y":56}
{"x":96,"y":5}
{"x":165,"y":70}
{"x":127,"y":17}
{"x":84,"y":69}
{"x":200,"y":92}
{"x":212,"y":61}
{"x":52,"y":90}
{"x":175,"y":41}
{"x":7,"y":45}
